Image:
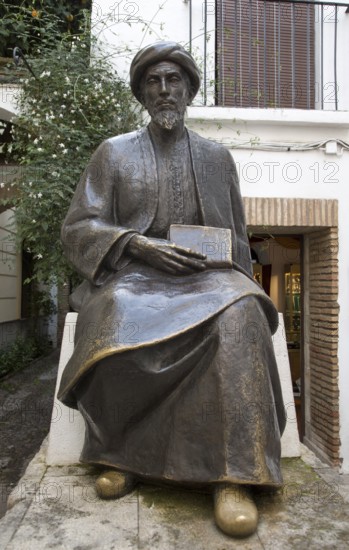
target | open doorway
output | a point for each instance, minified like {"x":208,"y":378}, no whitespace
{"x":277,"y":266}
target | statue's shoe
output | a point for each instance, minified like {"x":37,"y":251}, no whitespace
{"x":114,"y":484}
{"x":235,"y":512}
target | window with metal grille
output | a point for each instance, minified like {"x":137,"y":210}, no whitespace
{"x":265,"y":54}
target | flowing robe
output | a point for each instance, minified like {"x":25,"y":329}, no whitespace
{"x":175,"y":375}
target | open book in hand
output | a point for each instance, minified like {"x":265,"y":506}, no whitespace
{"x":214,"y":242}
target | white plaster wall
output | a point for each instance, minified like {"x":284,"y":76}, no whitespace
{"x":8,"y":107}
{"x":329,"y":15}
{"x":273,"y":172}
{"x":10,"y":271}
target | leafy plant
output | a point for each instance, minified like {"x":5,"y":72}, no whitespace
{"x":20,"y":353}
{"x":23,"y":23}
{"x":74,"y":102}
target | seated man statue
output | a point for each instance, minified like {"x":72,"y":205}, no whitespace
{"x":173,"y":369}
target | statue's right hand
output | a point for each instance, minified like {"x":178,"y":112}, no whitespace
{"x":165,"y":255}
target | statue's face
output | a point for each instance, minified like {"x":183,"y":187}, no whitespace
{"x":166,"y":93}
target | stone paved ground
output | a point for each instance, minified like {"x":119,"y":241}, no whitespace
{"x":25,"y":412}
{"x":56,"y":507}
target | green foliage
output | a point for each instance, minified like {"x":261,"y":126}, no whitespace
{"x":20,"y":353}
{"x":23,"y":23}
{"x":74,"y":103}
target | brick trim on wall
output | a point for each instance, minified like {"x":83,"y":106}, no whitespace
{"x":317,"y":220}
{"x":291,"y":212}
{"x":322,"y":343}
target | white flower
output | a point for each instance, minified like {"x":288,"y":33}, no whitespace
{"x":61,"y":145}
{"x":64,"y":95}
{"x":39,"y":256}
{"x":55,"y":174}
{"x":65,"y":151}
{"x":45,"y":73}
{"x":63,"y":106}
{"x":36,"y":141}
{"x":40,"y":149}
{"x":39,"y":195}
{"x":55,"y":93}
{"x":67,"y":79}
{"x":2,"y":185}
{"x":86,"y":80}
{"x":30,"y":183}
{"x":54,"y":156}
{"x":73,"y":121}
{"x":77,"y":148}
{"x":61,"y":116}
{"x":33,"y":221}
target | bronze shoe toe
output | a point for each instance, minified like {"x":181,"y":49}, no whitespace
{"x":235,"y":512}
{"x":114,"y":484}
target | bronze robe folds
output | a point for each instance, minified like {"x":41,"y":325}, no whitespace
{"x":175,"y":375}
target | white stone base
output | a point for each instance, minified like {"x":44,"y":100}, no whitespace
{"x":67,"y":426}
{"x":67,"y":431}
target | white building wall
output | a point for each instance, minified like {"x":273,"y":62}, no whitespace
{"x":8,"y":107}
{"x":10,"y":271}
{"x":327,"y":31}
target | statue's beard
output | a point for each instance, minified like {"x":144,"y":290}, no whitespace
{"x":167,"y":119}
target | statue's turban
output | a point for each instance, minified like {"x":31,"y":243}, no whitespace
{"x":163,"y":51}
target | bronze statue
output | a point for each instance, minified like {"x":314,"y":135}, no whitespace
{"x":173,"y":368}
